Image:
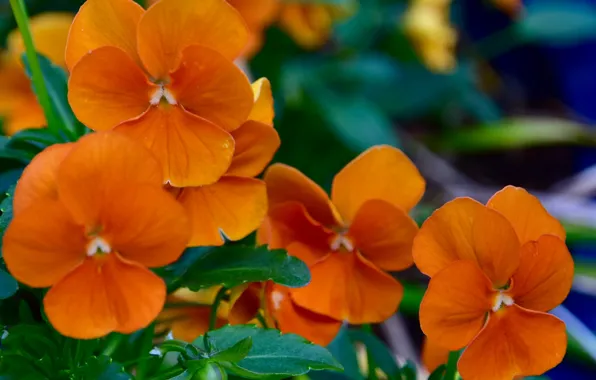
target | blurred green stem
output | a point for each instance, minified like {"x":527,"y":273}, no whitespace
{"x":112,"y":344}
{"x":451,"y":371}
{"x":20,"y":15}
{"x":213,"y":315}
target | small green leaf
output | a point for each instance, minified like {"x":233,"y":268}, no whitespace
{"x":273,"y":355}
{"x":8,"y":285}
{"x":235,"y":353}
{"x":557,"y":21}
{"x":438,"y":373}
{"x":56,"y":82}
{"x":233,"y":265}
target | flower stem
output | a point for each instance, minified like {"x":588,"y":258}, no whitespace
{"x":451,"y":371}
{"x":213,"y":315}
{"x":112,"y":344}
{"x":20,"y":15}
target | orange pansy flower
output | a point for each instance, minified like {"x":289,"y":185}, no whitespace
{"x":18,"y":104}
{"x":236,"y":204}
{"x":433,"y":355}
{"x":188,"y":313}
{"x":311,"y":25}
{"x":495,"y":272}
{"x":289,"y":317}
{"x":258,"y":14}
{"x":83,"y":227}
{"x":350,"y":241}
{"x":165,"y":77}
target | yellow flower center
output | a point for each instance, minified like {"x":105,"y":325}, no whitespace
{"x":98,"y":246}
{"x":162,"y":94}
{"x":501,"y":299}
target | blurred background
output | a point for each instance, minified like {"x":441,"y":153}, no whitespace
{"x":479,"y":93}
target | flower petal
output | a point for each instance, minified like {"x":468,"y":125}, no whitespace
{"x":38,"y":180}
{"x":446,"y":236}
{"x":245,"y":302}
{"x":545,"y":274}
{"x":192,"y":151}
{"x":288,"y":224}
{"x":168,"y":27}
{"x":287,"y":184}
{"x":100,"y":162}
{"x":433,"y":355}
{"x":256,"y":143}
{"x":345,"y":286}
{"x":235,"y":206}
{"x":262,"y":109}
{"x":208,"y":85}
{"x":102,"y":295}
{"x":49,"y":31}
{"x":455,"y":305}
{"x":292,"y":318}
{"x":103,"y":23}
{"x":42,"y":244}
{"x":107,"y":88}
{"x":153,"y":236}
{"x":525,"y":212}
{"x":384,"y":234}
{"x":514,"y":342}
{"x":381,"y":172}
{"x":496,"y":246}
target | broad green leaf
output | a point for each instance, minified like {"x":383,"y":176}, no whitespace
{"x":8,"y":285}
{"x":344,"y":352}
{"x":101,"y":368}
{"x":557,"y":21}
{"x":35,"y":139}
{"x":356,"y":121}
{"x":515,"y":133}
{"x":56,"y":82}
{"x":273,"y":355}
{"x":381,"y":354}
{"x":233,"y":265}
{"x":438,"y":373}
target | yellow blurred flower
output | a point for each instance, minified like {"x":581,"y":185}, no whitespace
{"x":18,"y":104}
{"x":310,"y":25}
{"x":427,"y":24}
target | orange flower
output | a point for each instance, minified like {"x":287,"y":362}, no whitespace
{"x":495,"y":272}
{"x":89,"y":218}
{"x":310,"y":25}
{"x":289,"y":317}
{"x":433,"y":355}
{"x":350,"y":243}
{"x":258,"y":15}
{"x":18,"y":104}
{"x":188,"y":313}
{"x":236,"y":204}
{"x":165,"y":77}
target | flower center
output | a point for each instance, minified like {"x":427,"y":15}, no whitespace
{"x":276,"y":298}
{"x":162,"y":94}
{"x":98,"y":246}
{"x":341,"y":242}
{"x":502,"y":299}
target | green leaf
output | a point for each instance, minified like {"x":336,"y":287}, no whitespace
{"x":8,"y":285}
{"x":101,"y":368}
{"x":383,"y":358}
{"x":273,"y":355}
{"x":35,"y":139}
{"x":233,"y":265}
{"x":515,"y":133}
{"x":56,"y":82}
{"x":235,"y":353}
{"x":438,"y":373}
{"x":358,"y":122}
{"x":408,"y":371}
{"x":557,"y":21}
{"x":343,"y":351}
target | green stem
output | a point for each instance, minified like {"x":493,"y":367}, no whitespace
{"x":168,"y":373}
{"x":112,"y":344}
{"x":372,"y":367}
{"x":20,"y":15}
{"x":262,"y":320}
{"x":451,"y":371}
{"x":213,"y":315}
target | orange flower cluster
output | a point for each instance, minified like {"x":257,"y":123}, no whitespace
{"x":18,"y":105}
{"x":496,"y":271}
{"x":82,"y":226}
{"x":348,"y":242}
